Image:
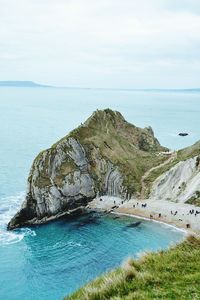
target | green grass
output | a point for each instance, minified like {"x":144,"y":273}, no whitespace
{"x":195,"y":200}
{"x":105,"y":136}
{"x":172,"y":274}
{"x":130,"y":148}
{"x":190,"y":151}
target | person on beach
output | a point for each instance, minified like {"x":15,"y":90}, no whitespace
{"x":197,"y":161}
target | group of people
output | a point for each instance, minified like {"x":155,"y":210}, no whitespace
{"x":159,"y":216}
{"x":143,"y":205}
{"x":192,"y":211}
{"x":174,"y":213}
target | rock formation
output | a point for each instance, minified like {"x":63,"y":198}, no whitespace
{"x":104,"y":156}
{"x":179,"y":183}
{"x":107,"y":156}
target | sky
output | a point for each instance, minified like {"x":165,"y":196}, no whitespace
{"x":101,"y":43}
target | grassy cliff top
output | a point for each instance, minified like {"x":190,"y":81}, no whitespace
{"x":189,"y":152}
{"x":110,"y":125}
{"x":172,"y":274}
{"x":134,"y":150}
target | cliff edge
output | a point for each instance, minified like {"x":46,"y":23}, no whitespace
{"x":104,"y":156}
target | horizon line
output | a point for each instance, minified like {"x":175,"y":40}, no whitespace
{"x":29,"y":83}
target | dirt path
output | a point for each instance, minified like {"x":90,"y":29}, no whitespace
{"x":147,"y":173}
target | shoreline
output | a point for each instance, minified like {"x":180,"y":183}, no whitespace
{"x":159,"y":211}
{"x":152,"y":220}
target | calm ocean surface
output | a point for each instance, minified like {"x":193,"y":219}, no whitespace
{"x":50,"y":261}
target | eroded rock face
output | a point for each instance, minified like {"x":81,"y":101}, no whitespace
{"x":180,"y":183}
{"x":61,"y":181}
{"x":101,"y":157}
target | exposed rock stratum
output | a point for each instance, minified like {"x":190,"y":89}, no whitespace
{"x":104,"y":156}
{"x":107,"y":156}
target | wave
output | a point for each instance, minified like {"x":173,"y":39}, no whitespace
{"x":63,"y":245}
{"x":8,"y":207}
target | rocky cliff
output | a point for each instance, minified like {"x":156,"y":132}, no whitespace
{"x":181,"y":181}
{"x":104,"y":156}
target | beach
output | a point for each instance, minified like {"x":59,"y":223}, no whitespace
{"x":76,"y":245}
{"x":175,"y":214}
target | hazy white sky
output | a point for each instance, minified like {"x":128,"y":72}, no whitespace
{"x":101,"y":43}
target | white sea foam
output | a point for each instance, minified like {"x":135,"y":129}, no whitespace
{"x":8,"y":207}
{"x":74,"y":244}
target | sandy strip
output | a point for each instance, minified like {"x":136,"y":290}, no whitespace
{"x":153,"y":220}
{"x":157,"y":210}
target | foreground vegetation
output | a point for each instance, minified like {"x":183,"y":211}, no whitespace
{"x":171,"y":274}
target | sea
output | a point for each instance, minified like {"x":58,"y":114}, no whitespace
{"x":53,"y":260}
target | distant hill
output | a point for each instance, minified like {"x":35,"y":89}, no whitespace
{"x":21,"y":84}
{"x":26,"y":83}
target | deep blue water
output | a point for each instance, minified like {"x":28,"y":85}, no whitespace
{"x":52,"y":260}
{"x":63,"y":255}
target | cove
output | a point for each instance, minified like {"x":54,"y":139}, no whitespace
{"x":55,"y":259}
{"x":51,"y":261}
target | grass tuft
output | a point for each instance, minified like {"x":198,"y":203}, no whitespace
{"x":171,"y":274}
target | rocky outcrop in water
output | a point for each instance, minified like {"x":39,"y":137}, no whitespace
{"x":104,"y":156}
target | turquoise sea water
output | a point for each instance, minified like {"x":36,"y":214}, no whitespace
{"x":50,"y":261}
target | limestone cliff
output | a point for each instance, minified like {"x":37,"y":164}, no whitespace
{"x":181,"y":183}
{"x":104,"y":156}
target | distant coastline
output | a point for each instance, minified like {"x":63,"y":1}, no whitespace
{"x":32,"y":84}
{"x":23,"y":84}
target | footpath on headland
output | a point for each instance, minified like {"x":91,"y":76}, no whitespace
{"x":176,"y":214}
{"x":172,"y":157}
